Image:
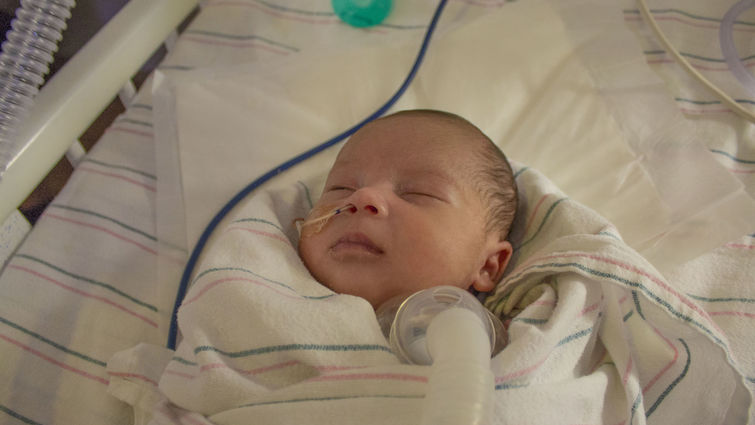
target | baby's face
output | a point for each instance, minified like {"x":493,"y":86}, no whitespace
{"x":417,"y":220}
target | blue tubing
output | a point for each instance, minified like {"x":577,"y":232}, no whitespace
{"x":189,"y":269}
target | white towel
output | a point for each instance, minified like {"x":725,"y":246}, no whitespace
{"x":607,"y":341}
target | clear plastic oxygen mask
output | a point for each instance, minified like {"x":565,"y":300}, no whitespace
{"x":448,"y":328}
{"x":405,"y":321}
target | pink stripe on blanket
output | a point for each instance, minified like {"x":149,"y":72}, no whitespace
{"x":102,"y":229}
{"x":272,"y":12}
{"x":55,"y":362}
{"x":705,"y":111}
{"x":520,"y":373}
{"x":85,"y":294}
{"x":590,"y":308}
{"x":739,"y":245}
{"x":260,"y":370}
{"x":633,"y":269}
{"x":133,"y":375}
{"x":257,"y":371}
{"x":628,"y":369}
{"x":534,"y":212}
{"x":667,"y":367}
{"x":236,"y":279}
{"x":130,"y":131}
{"x":261,"y":233}
{"x":732,"y":313}
{"x":117,"y":176}
{"x":371,"y":376}
{"x":240,"y":45}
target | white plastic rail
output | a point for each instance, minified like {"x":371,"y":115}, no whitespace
{"x":77,"y":93}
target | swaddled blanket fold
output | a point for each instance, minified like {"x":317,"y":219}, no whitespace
{"x":604,"y":338}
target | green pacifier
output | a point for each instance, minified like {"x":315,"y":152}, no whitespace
{"x":362,"y":13}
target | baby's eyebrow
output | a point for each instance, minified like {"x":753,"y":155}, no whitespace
{"x":434,"y":173}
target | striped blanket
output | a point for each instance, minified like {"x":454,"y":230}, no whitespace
{"x":98,"y":273}
{"x":607,"y":339}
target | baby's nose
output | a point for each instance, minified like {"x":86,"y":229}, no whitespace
{"x":370,"y":200}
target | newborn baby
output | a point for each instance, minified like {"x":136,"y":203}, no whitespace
{"x":416,"y":199}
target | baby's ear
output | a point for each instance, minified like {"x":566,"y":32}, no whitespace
{"x":497,"y":258}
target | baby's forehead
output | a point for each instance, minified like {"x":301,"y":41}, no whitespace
{"x":413,"y":135}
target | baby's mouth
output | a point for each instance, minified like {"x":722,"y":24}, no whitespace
{"x":358,"y":242}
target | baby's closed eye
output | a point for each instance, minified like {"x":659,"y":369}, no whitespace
{"x":339,"y":189}
{"x":415,"y":195}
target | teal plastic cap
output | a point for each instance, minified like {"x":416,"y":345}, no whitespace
{"x":362,"y":13}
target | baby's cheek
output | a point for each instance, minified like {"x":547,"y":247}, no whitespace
{"x":306,"y":248}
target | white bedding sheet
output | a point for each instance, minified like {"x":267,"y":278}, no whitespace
{"x":89,"y":282}
{"x":635,"y":159}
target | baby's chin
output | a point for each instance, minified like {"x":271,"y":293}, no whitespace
{"x":364,"y":289}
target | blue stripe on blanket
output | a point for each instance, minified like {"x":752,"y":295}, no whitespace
{"x":275,"y":282}
{"x":542,"y":223}
{"x":732,"y":157}
{"x":259,"y":220}
{"x":118,"y":167}
{"x":530,"y":321}
{"x":710,"y":102}
{"x":249,"y":37}
{"x":636,"y":299}
{"x":119,"y":223}
{"x":673,"y":384}
{"x":575,"y":336}
{"x":720,"y":300}
{"x":519,"y":172}
{"x":135,"y":122}
{"x":52,"y":343}
{"x":306,"y":193}
{"x":89,"y":281}
{"x":18,"y":416}
{"x":184,"y":361}
{"x":635,"y":405}
{"x":296,"y":11}
{"x":295,"y":347}
{"x":500,"y":387}
{"x":336,"y":398}
{"x":665,"y":304}
{"x":141,"y":106}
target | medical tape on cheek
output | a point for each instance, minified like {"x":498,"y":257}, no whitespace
{"x":320,"y":217}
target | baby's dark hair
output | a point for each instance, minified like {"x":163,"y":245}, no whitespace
{"x":493,"y":179}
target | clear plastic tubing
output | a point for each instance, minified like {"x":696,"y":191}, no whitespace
{"x":731,"y":56}
{"x":26,"y":56}
{"x":447,"y":327}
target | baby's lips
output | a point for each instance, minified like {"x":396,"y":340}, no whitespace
{"x":360,"y":240}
